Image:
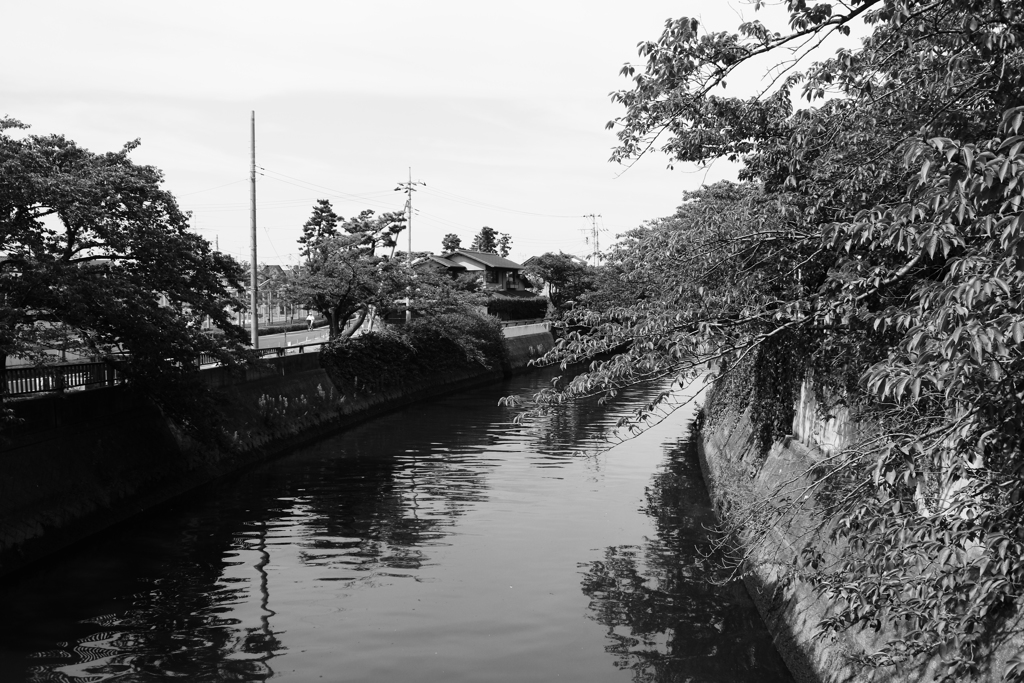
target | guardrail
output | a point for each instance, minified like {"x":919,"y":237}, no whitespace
{"x":280,"y":351}
{"x":58,"y":377}
{"x":25,"y":380}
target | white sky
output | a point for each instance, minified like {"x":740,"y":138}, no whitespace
{"x":498,"y":107}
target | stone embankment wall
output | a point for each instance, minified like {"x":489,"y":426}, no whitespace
{"x":82,"y":461}
{"x":737,"y":477}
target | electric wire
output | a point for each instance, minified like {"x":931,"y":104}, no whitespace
{"x":209,"y":189}
{"x":311,"y":185}
{"x":451,"y":196}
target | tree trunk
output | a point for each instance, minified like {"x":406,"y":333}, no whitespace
{"x":332,"y":330}
{"x":352,"y":325}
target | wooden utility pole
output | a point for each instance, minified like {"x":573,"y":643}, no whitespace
{"x":254,"y":323}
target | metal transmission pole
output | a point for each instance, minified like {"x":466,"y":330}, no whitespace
{"x":409,"y":187}
{"x":594,"y":233}
{"x":254,"y":324}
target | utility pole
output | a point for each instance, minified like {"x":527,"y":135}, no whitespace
{"x":596,"y":255}
{"x":409,"y":188}
{"x":254,"y":324}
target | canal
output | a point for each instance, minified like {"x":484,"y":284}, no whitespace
{"x":439,"y":543}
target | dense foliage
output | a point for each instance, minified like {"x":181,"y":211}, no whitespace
{"x":451,"y":242}
{"x":563,"y":277}
{"x":516,"y":307}
{"x":97,"y":259}
{"x":421,"y":351}
{"x":343,"y":277}
{"x":873,"y":246}
{"x":490,"y":241}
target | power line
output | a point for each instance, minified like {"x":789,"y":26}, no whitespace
{"x":209,"y":189}
{"x":307,"y":185}
{"x":331,"y":193}
{"x":267,"y":233}
{"x":473,"y":202}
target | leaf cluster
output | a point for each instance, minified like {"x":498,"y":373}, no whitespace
{"x":405,"y":358}
{"x":873,"y":249}
{"x":343,"y":278}
{"x":98,"y":259}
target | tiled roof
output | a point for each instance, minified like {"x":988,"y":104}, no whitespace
{"x":492,"y":260}
{"x":443,"y":261}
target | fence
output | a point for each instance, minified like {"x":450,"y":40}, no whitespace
{"x":60,"y":376}
{"x":518,"y":323}
{"x":25,"y":380}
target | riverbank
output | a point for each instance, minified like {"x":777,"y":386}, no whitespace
{"x":82,"y":461}
{"x":516,"y":554}
{"x":737,"y":476}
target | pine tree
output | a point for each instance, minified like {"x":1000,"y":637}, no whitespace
{"x":322,"y":224}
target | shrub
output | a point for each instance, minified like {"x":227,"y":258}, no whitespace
{"x":403,"y":357}
{"x":517,"y":308}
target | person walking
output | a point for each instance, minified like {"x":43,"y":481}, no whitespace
{"x":309,"y":320}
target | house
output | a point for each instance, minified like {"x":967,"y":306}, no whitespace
{"x":501,"y":278}
{"x":498,"y":273}
{"x":438,"y":263}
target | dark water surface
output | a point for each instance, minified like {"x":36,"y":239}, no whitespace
{"x":441,"y":543}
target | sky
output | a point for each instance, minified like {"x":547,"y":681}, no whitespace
{"x":498,"y":108}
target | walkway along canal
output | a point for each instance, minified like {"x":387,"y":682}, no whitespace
{"x":438,"y":543}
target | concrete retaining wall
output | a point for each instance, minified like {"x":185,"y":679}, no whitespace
{"x":736,"y":476}
{"x":524,"y":347}
{"x":82,"y":461}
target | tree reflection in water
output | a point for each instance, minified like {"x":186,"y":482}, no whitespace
{"x":230,"y":583}
{"x":671,"y":612}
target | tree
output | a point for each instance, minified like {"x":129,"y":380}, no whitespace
{"x":345,"y":286}
{"x":344,"y":278}
{"x":373,"y":233}
{"x":450,"y":243}
{"x":322,"y":224}
{"x":97,"y":254}
{"x":875,"y":244}
{"x":565,"y":278}
{"x":435,"y":293}
{"x":486,"y":240}
{"x":504,"y":244}
{"x":489,"y":241}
